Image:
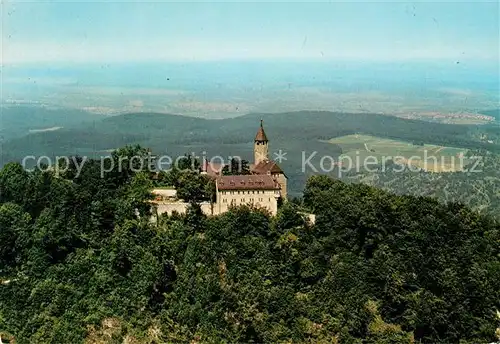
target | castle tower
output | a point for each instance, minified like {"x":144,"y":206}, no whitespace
{"x":260,"y":146}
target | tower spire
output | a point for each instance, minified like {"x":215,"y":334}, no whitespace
{"x":261,"y":135}
{"x":261,"y":145}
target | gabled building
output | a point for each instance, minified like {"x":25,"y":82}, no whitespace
{"x":261,"y":165}
{"x":264,"y":187}
{"x":259,"y":190}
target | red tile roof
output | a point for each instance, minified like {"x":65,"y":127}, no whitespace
{"x":247,"y":182}
{"x":265,"y":167}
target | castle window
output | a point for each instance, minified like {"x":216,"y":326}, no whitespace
{"x":242,"y":200}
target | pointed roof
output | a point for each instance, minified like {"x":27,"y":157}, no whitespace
{"x":266,"y":166}
{"x":261,"y":135}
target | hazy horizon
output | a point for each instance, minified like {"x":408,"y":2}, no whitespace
{"x":219,"y":60}
{"x":221,"y":89}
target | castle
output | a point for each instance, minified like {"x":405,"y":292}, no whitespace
{"x":264,"y":187}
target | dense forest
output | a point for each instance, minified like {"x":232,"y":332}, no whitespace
{"x":478,"y":186}
{"x":81,"y":262}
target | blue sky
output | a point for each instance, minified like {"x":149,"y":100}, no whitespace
{"x":69,"y":31}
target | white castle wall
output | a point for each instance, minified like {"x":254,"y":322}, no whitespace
{"x":180,"y":207}
{"x":167,"y":193}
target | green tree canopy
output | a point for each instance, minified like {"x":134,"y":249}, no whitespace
{"x":236,"y":167}
{"x":82,"y":262}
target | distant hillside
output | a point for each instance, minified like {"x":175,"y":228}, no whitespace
{"x":21,"y":120}
{"x":479,"y":190}
{"x":303,"y":125}
{"x":293,"y":132}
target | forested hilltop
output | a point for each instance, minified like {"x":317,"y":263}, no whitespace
{"x":172,"y":135}
{"x":478,"y":186}
{"x":292,"y":131}
{"x":81,"y":262}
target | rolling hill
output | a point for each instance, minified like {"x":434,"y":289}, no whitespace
{"x":293,"y":132}
{"x":20,"y":120}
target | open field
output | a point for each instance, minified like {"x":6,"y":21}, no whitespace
{"x":366,"y":149}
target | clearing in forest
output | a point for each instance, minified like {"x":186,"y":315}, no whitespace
{"x":434,"y":158}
